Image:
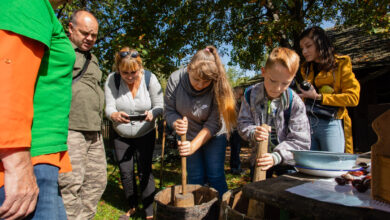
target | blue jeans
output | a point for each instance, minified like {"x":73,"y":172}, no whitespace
{"x":326,"y":134}
{"x":235,"y":147}
{"x":49,"y":205}
{"x":206,"y":165}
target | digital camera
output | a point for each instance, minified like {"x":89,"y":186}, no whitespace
{"x":305,"y":85}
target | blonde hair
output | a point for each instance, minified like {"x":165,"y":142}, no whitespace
{"x":285,"y":57}
{"x":207,"y":65}
{"x":128,"y":62}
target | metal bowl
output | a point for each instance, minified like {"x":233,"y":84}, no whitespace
{"x":324,"y":160}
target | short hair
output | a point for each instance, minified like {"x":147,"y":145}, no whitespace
{"x":75,"y":15}
{"x":285,"y":57}
{"x":128,"y":62}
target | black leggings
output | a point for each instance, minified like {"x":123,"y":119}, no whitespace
{"x":126,"y":149}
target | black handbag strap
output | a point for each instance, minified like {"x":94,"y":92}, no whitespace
{"x":85,"y":66}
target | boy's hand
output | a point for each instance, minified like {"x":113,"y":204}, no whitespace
{"x":261,"y":133}
{"x":180,"y":126}
{"x":185,"y":148}
{"x":265,"y":162}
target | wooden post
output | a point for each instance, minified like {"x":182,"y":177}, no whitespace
{"x":380,"y":159}
{"x":162,"y":154}
{"x":183,"y":169}
{"x":256,"y":208}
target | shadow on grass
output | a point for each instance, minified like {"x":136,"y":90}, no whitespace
{"x":115,"y":196}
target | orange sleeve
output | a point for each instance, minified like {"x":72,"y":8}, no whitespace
{"x":20,"y":58}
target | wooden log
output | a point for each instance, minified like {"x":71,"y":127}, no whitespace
{"x":256,"y":208}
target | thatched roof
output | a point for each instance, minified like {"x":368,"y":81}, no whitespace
{"x":366,"y":50}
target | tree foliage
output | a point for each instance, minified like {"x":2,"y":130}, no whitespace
{"x":236,"y":77}
{"x":168,"y":32}
{"x":255,"y":27}
{"x":164,"y":32}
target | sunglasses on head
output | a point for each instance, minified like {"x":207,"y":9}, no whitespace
{"x":133,"y":54}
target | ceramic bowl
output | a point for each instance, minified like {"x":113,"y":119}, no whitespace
{"x":324,"y":160}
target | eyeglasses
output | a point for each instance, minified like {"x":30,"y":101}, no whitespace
{"x":133,"y":54}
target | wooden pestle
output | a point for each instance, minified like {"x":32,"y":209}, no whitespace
{"x":256,"y":208}
{"x":185,"y":199}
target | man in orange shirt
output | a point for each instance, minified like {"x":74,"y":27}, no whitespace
{"x":36,"y":60}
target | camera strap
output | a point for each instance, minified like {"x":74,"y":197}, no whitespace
{"x":298,"y":78}
{"x":79,"y":75}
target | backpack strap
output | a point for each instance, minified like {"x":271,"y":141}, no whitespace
{"x":247,"y":94}
{"x":117,"y":79}
{"x":148,"y":74}
{"x":287,"y":112}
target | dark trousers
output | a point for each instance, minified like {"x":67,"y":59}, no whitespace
{"x":141,"y":149}
{"x":235,"y":148}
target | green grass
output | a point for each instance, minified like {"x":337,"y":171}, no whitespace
{"x":113,"y":202}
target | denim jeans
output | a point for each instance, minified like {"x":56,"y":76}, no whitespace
{"x":235,"y":147}
{"x":326,"y":134}
{"x":49,"y":205}
{"x":206,"y":165}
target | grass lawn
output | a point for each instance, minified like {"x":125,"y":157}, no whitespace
{"x":113,"y":202}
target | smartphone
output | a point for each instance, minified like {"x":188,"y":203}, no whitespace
{"x":137,"y":117}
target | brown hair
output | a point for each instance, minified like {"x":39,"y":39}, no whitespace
{"x":323,"y":45}
{"x":207,"y":65}
{"x":128,"y":62}
{"x":285,"y":57}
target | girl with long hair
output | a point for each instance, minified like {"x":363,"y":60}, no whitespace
{"x":199,"y":102}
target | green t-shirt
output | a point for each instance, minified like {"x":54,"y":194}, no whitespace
{"x":36,"y":19}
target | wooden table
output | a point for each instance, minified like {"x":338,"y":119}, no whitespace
{"x":273,"y":192}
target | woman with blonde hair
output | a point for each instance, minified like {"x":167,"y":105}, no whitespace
{"x":133,"y":101}
{"x":199,"y":102}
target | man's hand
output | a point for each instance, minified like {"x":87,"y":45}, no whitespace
{"x":181,"y":126}
{"x":20,"y":185}
{"x":265,"y":161}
